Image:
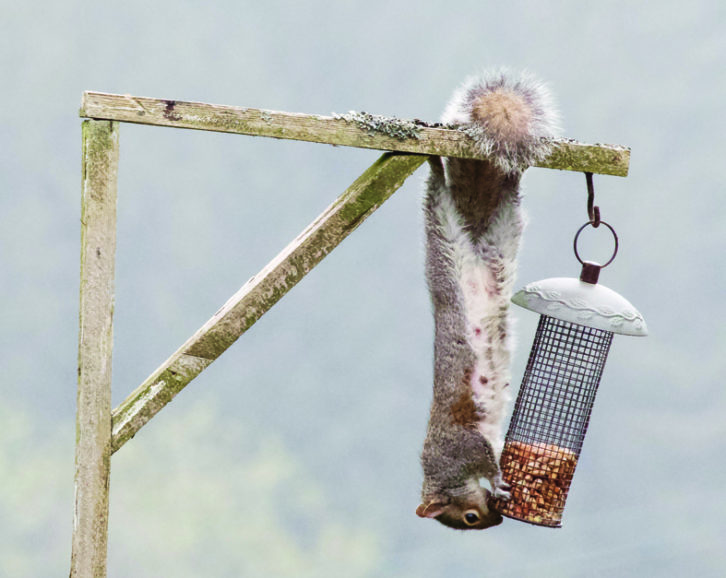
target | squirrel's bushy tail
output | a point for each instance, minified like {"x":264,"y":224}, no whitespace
{"x":510,"y":116}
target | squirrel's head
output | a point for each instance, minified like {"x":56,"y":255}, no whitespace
{"x":465,"y":511}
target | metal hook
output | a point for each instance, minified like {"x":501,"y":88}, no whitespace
{"x":593,"y":212}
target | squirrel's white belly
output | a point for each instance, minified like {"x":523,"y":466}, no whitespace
{"x":485,"y":307}
{"x":485,"y":299}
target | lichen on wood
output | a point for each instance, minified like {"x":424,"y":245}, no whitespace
{"x":598,"y":158}
{"x":361,"y":130}
{"x":397,"y":128}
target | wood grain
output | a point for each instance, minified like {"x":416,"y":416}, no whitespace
{"x":95,"y":345}
{"x":383,"y":133}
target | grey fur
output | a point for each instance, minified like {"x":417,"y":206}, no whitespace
{"x":473,"y":227}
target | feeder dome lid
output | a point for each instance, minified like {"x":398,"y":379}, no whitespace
{"x":588,"y":304}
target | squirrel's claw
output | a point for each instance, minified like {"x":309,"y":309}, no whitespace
{"x":502,"y":493}
{"x":500,"y":489}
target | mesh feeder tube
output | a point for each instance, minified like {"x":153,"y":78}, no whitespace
{"x":578,"y":320}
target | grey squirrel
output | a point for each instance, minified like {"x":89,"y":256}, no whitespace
{"x":473,"y":227}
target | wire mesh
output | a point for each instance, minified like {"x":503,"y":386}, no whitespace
{"x":550,"y":419}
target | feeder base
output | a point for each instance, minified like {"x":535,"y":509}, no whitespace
{"x":544,"y":524}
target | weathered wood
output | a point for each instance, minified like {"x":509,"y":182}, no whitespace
{"x":363,"y":131}
{"x":95,"y":344}
{"x":262,"y":291}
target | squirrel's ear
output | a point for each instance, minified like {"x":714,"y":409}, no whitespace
{"x":430,"y":510}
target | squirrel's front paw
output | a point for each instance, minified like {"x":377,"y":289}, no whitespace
{"x":501,"y":491}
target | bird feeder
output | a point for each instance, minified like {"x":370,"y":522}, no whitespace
{"x":578,"y":320}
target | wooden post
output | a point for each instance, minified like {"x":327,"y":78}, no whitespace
{"x":95,"y":343}
{"x":261,"y":292}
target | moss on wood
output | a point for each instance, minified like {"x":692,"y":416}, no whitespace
{"x":355,"y":129}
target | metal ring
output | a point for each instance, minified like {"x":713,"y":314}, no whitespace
{"x":577,"y":235}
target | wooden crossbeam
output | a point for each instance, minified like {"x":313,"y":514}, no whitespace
{"x":354,"y":130}
{"x":262,"y":291}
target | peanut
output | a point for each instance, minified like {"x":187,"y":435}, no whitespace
{"x":540,"y":476}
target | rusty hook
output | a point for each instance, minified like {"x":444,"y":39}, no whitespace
{"x":593,"y":211}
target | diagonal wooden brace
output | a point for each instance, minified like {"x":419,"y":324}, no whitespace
{"x":262,"y":291}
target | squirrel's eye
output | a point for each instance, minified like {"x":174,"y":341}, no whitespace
{"x":471,"y":517}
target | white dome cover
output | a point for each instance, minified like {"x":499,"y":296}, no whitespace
{"x":583,"y":303}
